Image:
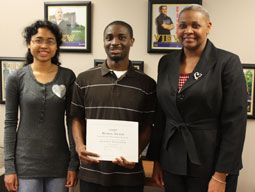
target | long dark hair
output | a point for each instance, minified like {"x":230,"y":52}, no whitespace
{"x":33,"y":29}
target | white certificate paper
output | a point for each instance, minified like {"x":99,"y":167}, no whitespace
{"x":112,"y":138}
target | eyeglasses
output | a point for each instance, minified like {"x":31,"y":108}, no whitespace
{"x":40,"y":42}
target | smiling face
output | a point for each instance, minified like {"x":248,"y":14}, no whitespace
{"x":193,"y":29}
{"x":43,"y":45}
{"x":117,"y":42}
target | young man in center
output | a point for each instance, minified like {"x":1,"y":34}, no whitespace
{"x":113,"y":91}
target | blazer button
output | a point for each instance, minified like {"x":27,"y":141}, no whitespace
{"x":180,"y":98}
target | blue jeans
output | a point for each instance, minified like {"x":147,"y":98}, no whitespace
{"x":42,"y":185}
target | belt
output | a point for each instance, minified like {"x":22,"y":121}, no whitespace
{"x":184,"y":128}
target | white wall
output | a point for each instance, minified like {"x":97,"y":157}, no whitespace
{"x":233,"y":30}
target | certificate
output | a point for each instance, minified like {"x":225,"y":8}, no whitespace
{"x":112,"y":138}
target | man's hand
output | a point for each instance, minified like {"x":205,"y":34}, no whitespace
{"x":169,"y":27}
{"x":124,"y":163}
{"x":83,"y":155}
{"x":11,"y":182}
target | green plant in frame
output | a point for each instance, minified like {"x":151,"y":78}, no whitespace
{"x":249,"y":76}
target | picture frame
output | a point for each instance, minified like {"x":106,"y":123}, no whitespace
{"x":74,"y":21}
{"x":7,"y":66}
{"x":249,"y":73}
{"x":137,"y":64}
{"x":163,"y":24}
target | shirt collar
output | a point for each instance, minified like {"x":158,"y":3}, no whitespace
{"x":130,"y":72}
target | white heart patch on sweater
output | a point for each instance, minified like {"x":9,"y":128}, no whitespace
{"x":59,"y":90}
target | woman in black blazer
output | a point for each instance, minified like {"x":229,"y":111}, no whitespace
{"x":202,"y":101}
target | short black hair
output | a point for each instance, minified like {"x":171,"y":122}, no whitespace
{"x":160,"y":7}
{"x":130,"y":30}
{"x":32,"y":29}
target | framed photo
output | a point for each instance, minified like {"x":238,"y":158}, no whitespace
{"x":249,"y":73}
{"x":163,"y":24}
{"x":8,"y":65}
{"x":74,"y":21}
{"x":137,"y":64}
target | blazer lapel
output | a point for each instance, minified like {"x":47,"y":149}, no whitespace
{"x":173,"y":71}
{"x":205,"y":63}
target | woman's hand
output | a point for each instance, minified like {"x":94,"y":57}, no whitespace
{"x":71,"y":179}
{"x":158,"y":174}
{"x":217,"y":183}
{"x":215,"y":186}
{"x":11,"y":182}
{"x":124,"y":163}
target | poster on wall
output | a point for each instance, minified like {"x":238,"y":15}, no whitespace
{"x":163,"y":24}
{"x":74,"y":20}
{"x":249,"y":74}
{"x":8,"y":65}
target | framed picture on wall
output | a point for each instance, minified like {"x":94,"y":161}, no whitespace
{"x":7,"y":66}
{"x":137,"y":64}
{"x":249,"y":73}
{"x":163,"y":24}
{"x":74,"y":21}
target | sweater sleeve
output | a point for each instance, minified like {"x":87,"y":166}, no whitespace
{"x":74,"y":160}
{"x":11,"y":119}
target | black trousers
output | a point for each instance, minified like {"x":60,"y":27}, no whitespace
{"x":92,"y":187}
{"x":179,"y":183}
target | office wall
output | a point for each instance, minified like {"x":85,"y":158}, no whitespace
{"x":233,"y":29}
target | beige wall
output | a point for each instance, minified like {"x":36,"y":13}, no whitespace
{"x":233,"y":30}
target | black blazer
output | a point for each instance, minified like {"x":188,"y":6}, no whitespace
{"x":201,"y":129}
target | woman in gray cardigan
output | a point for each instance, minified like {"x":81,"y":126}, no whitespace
{"x":37,"y":156}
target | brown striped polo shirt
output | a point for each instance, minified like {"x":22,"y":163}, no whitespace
{"x":99,"y":94}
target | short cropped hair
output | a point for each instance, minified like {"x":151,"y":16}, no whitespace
{"x":196,"y":7}
{"x":129,"y":28}
{"x":161,"y":7}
